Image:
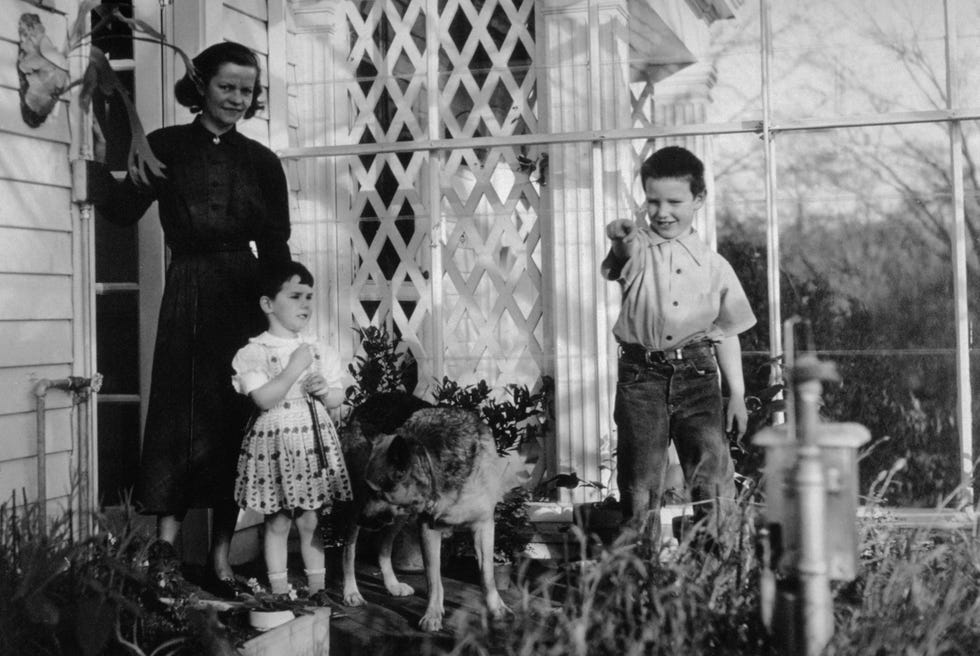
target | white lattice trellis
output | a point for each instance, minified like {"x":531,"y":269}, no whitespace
{"x":491,"y":300}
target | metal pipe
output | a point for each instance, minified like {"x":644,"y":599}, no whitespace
{"x":79,"y":387}
{"x":818,"y":616}
{"x":961,"y":283}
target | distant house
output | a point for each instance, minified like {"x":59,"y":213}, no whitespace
{"x":450,"y":175}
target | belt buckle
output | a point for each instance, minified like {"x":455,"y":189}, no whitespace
{"x":654,"y":357}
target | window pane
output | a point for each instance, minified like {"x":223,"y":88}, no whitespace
{"x":115,"y":38}
{"x":117,"y":329}
{"x":967,"y":20}
{"x":865,"y":260}
{"x":116,"y":252}
{"x":842,"y":57}
{"x":119,"y":445}
{"x":971,"y":198}
{"x":737,"y":198}
{"x":736,"y":57}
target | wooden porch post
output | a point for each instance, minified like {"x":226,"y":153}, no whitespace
{"x":584,"y":86}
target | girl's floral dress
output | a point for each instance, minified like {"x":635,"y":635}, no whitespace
{"x":278,"y":467}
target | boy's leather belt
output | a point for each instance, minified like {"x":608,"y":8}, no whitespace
{"x":642,"y":355}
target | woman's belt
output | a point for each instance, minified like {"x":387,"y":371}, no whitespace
{"x":206,"y":247}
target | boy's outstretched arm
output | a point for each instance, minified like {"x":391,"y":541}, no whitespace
{"x":622,"y":234}
{"x":730,"y":361}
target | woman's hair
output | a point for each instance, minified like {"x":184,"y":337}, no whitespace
{"x":274,"y":276}
{"x":675,"y":162}
{"x":207,"y":64}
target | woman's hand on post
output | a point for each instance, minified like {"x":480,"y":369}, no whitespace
{"x":98,"y":143}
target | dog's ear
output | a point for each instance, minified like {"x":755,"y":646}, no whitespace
{"x":399,"y":454}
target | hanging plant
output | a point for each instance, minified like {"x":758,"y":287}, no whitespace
{"x":44,"y":75}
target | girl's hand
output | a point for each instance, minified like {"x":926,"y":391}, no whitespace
{"x":315,"y":384}
{"x":301,"y":358}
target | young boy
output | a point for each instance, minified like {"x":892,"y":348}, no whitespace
{"x":682,"y":311}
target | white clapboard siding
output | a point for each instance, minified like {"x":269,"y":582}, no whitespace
{"x":30,"y":205}
{"x":24,"y":296}
{"x":23,"y":250}
{"x":18,"y":385}
{"x":37,"y":271}
{"x":20,"y":431}
{"x":8,"y":74}
{"x":30,"y":159}
{"x":35,"y":342}
{"x":54,"y":128}
{"x":21,"y":474}
{"x":53,"y":18}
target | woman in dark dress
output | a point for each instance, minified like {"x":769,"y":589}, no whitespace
{"x":220,"y":193}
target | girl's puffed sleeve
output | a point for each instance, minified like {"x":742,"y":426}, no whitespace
{"x":250,"y":368}
{"x":331,"y":366}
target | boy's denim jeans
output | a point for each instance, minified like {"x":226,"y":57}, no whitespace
{"x":677,"y":400}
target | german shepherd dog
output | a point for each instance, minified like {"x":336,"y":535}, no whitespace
{"x":439,"y":466}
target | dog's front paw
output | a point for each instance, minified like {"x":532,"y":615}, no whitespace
{"x":353,"y":598}
{"x":399,"y":589}
{"x":432,"y":620}
{"x":496,"y":606}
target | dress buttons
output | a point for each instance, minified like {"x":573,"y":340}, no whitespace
{"x":676,"y":303}
{"x":677,"y":271}
{"x":669,"y":337}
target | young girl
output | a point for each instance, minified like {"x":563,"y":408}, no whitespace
{"x":279,"y":474}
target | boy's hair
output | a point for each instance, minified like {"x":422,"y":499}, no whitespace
{"x":207,"y":63}
{"x":675,"y":162}
{"x":274,"y":276}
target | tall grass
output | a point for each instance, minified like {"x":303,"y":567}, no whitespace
{"x":60,"y":595}
{"x":916,"y":593}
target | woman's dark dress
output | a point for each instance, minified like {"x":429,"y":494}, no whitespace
{"x":216,"y":198}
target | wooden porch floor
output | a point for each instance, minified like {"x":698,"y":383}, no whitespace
{"x":389,"y":625}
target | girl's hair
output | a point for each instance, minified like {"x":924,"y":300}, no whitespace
{"x":675,"y":162}
{"x":274,"y":276}
{"x":207,"y":64}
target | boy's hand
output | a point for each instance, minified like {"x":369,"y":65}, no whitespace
{"x":301,"y":358}
{"x":737,"y":418}
{"x":315,"y":385}
{"x":621,"y":229}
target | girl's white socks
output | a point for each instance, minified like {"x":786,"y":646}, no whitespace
{"x":279,"y":582}
{"x":315,"y":579}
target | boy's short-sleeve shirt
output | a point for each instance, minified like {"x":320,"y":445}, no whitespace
{"x":675,"y":292}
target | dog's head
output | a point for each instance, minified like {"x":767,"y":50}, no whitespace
{"x":397,"y":480}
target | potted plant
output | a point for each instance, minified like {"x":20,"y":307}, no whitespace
{"x":267,"y":610}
